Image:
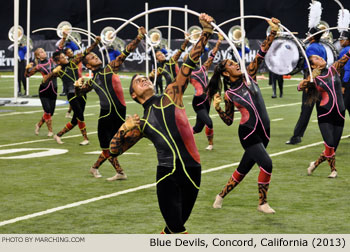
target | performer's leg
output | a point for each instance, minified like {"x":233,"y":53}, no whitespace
{"x":280,"y":84}
{"x":101,"y":159}
{"x":39,"y":124}
{"x":300,"y":127}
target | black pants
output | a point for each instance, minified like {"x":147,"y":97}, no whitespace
{"x":304,"y":117}
{"x":49,"y":103}
{"x":21,"y":78}
{"x":203,"y":117}
{"x":331,"y":134}
{"x":177,"y":195}
{"x":279,"y":79}
{"x":78,"y":106}
{"x":108,"y":125}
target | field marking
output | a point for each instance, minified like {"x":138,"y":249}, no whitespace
{"x":83,"y":202}
{"x":44,"y":140}
{"x":57,"y":109}
{"x":125,"y":153}
{"x":277,"y":119}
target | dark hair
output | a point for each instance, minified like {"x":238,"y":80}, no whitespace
{"x":131,"y":89}
{"x":312,"y":94}
{"x":85,"y":61}
{"x":316,"y":37}
{"x":56,"y":55}
{"x":66,"y":49}
{"x":215,"y":83}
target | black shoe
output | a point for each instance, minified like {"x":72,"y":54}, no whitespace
{"x":281,"y":95}
{"x":274,"y":96}
{"x":62,"y":94}
{"x":294,"y":140}
{"x":19,"y":94}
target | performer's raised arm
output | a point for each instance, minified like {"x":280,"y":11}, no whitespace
{"x":80,"y":56}
{"x":115,"y":64}
{"x":181,"y":50}
{"x":211,"y":57}
{"x":176,"y":89}
{"x":254,"y":65}
{"x":227,"y":115}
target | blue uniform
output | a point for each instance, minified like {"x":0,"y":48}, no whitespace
{"x":22,"y":50}
{"x":315,"y":49}
{"x":346,"y":68}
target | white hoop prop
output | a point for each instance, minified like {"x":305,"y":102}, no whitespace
{"x":195,"y":14}
{"x":328,"y":29}
{"x":147,"y":41}
{"x":285,"y":28}
{"x":76,"y":30}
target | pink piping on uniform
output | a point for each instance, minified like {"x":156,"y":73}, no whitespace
{"x":205,"y":82}
{"x":333,"y":94}
{"x":50,"y":83}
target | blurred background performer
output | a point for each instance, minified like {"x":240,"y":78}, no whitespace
{"x":69,"y":74}
{"x":276,"y":78}
{"x":168,"y":68}
{"x":47,"y":89}
{"x":201,"y":102}
{"x":345,"y":43}
{"x":22,"y":50}
{"x":254,"y":128}
{"x":165,"y":123}
{"x":314,"y":48}
{"x":108,"y":87}
{"x":326,"y":92}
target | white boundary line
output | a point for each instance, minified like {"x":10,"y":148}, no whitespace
{"x":83,"y":202}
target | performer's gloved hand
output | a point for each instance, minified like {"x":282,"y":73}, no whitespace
{"x":57,"y":69}
{"x":30,"y":65}
{"x":132,"y":122}
{"x":98,"y":40}
{"x":217,"y":100}
{"x":141,"y":32}
{"x":79,"y":82}
{"x":316,"y":72}
{"x":221,"y":38}
{"x":205,"y":21}
{"x":273,"y":22}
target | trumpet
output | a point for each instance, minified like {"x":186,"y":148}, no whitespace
{"x":11,"y":34}
{"x":64,"y":26}
{"x":195,"y":33}
{"x":109,"y":38}
{"x":327,"y":35}
{"x":155,"y":36}
{"x":235,"y":35}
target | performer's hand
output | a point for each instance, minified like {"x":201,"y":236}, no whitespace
{"x":316,"y":72}
{"x":221,"y":38}
{"x":273,"y":22}
{"x":132,"y":122}
{"x":57,"y":69}
{"x":98,"y":40}
{"x":216,"y":101}
{"x":205,"y":21}
{"x":64,"y":34}
{"x":342,"y":90}
{"x":151,"y":74}
{"x":30,"y":65}
{"x":79,"y":82}
{"x":141,"y":32}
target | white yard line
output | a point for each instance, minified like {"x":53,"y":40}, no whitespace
{"x":83,"y":202}
{"x":277,"y":119}
{"x":57,"y":109}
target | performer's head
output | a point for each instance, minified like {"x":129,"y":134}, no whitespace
{"x":317,"y":62}
{"x":92,"y":61}
{"x":316,"y":38}
{"x":60,"y":58}
{"x":160,"y":55}
{"x":69,"y":52}
{"x":40,"y":54}
{"x":229,"y":70}
{"x":345,"y":38}
{"x":141,"y":88}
